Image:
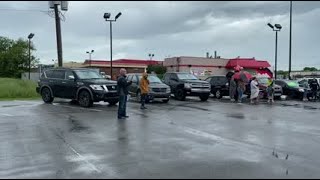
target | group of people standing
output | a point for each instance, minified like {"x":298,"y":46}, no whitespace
{"x":123,"y":92}
{"x":237,"y":87}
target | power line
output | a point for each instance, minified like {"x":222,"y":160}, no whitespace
{"x":30,"y":10}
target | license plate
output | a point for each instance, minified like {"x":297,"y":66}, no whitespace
{"x":277,"y":94}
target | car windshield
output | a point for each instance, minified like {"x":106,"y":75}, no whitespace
{"x":152,"y":79}
{"x":187,"y":76}
{"x":88,"y":74}
{"x":293,"y":84}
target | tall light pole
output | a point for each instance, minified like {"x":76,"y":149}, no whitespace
{"x":29,"y":38}
{"x":58,"y":34}
{"x":106,"y":16}
{"x":290,"y":39}
{"x":276,"y":28}
{"x":92,"y":51}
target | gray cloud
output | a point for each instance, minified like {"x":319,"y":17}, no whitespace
{"x":169,"y":28}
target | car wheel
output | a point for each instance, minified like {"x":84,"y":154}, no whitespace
{"x":218,"y":94}
{"x":138,"y":96}
{"x":204,"y":97}
{"x":180,"y":95}
{"x":114,"y":102}
{"x":85,"y":99}
{"x":166,"y":101}
{"x":46,"y":95}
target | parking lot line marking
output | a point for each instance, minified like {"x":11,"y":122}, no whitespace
{"x":89,"y":109}
{"x":8,"y":115}
{"x":93,"y":167}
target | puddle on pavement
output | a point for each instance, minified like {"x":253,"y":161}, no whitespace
{"x":236,"y":115}
{"x":10,"y":105}
{"x":76,"y":126}
{"x":193,"y":107}
{"x":309,"y":107}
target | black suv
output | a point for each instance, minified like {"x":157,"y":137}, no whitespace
{"x":219,"y":86}
{"x":83,"y":85}
{"x":186,"y":84}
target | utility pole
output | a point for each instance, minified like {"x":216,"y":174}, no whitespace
{"x":111,"y":48}
{"x":290,"y":39}
{"x":58,"y":33}
{"x":29,"y":58}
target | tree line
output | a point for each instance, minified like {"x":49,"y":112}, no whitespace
{"x":14,"y":57}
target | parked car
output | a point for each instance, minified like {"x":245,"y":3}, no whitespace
{"x":186,"y":84}
{"x":292,"y":89}
{"x":307,"y":80}
{"x":305,"y":83}
{"x":219,"y":86}
{"x":263,"y":84}
{"x":157,"y":89}
{"x":83,"y":85}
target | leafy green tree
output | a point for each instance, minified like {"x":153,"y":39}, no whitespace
{"x":158,"y":69}
{"x":310,"y":69}
{"x":14,"y":57}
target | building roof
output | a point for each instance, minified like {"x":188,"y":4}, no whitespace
{"x":123,"y":61}
{"x":247,"y":63}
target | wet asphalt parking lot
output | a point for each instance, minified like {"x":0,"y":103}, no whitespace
{"x":190,"y":139}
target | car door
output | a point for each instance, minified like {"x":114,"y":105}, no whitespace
{"x":284,"y":86}
{"x":69,"y":85}
{"x":173,"y":82}
{"x":59,"y":83}
{"x":214,"y":83}
{"x":134,"y":84}
{"x":209,"y":80}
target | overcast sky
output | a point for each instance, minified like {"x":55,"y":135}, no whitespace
{"x":170,"y":29}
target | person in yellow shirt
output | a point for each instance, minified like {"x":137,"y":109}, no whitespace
{"x":270,"y":90}
{"x":144,"y":88}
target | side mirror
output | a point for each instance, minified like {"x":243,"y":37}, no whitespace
{"x":71,"y":77}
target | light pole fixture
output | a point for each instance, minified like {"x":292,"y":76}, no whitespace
{"x":90,"y":52}
{"x":151,"y":56}
{"x":29,"y":38}
{"x":276,"y":28}
{"x":107,"y":16}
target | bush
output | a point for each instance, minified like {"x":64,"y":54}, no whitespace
{"x":17,"y":89}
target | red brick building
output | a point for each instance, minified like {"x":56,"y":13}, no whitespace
{"x":131,"y":65}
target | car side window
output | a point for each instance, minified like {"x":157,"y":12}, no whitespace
{"x":69,"y":73}
{"x":58,"y":74}
{"x":280,"y":83}
{"x":49,"y":73}
{"x":214,"y":80}
{"x":167,"y":78}
{"x":223,"y":80}
{"x":173,"y":76}
{"x":134,"y":79}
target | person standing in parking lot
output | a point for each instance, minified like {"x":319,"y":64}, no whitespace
{"x":123,"y":93}
{"x":232,"y":89}
{"x":144,"y":87}
{"x":270,"y":90}
{"x":254,"y":90}
{"x":314,"y":85}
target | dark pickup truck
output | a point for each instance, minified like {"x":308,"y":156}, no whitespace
{"x":186,"y":84}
